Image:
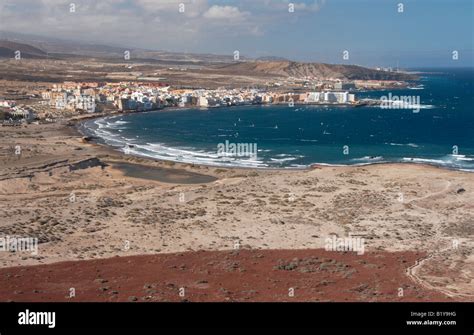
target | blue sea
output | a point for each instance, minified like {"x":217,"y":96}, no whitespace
{"x":441,"y":133}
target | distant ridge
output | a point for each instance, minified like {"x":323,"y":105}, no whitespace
{"x":315,"y":70}
{"x":42,"y":47}
{"x":63,"y":48}
{"x":8,"y":49}
{"x":272,"y":59}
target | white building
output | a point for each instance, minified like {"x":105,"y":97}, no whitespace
{"x":85,"y":102}
{"x":267,"y":99}
{"x":60,"y":101}
{"x":7,"y":103}
{"x":46,"y":95}
{"x":336,"y":97}
{"x":315,"y":97}
{"x":24,"y":113}
{"x":330,"y":97}
{"x":203,"y":102}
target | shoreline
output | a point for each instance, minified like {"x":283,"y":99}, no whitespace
{"x":80,"y":122}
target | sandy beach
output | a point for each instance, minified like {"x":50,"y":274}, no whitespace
{"x":84,"y":201}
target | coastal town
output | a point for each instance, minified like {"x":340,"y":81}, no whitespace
{"x":73,"y":98}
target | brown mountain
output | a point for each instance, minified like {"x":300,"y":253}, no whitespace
{"x":270,"y":67}
{"x":8,"y":48}
{"x":315,"y":70}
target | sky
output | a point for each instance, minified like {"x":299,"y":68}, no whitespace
{"x":424,"y":33}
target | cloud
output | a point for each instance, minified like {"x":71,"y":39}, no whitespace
{"x":224,"y":13}
{"x":314,"y":6}
{"x":204,"y":24}
{"x":192,"y":9}
{"x":299,"y":6}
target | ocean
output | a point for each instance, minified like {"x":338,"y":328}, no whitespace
{"x":441,"y":132}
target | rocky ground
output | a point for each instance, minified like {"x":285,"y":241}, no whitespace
{"x":240,"y":275}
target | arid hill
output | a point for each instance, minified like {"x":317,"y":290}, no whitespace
{"x":316,"y":70}
{"x":104,"y":63}
{"x":8,"y":48}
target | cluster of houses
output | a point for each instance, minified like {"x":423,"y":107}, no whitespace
{"x":72,"y":97}
{"x":91,"y":97}
{"x":13,"y":113}
{"x":130,"y":96}
{"x":26,"y":113}
{"x":97,"y":97}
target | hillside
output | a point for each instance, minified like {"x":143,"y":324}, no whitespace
{"x":41,"y":47}
{"x":202,"y":70}
{"x":8,"y":48}
{"x":316,"y":70}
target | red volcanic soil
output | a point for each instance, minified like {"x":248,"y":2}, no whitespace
{"x":244,"y":275}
